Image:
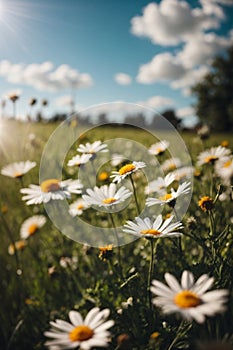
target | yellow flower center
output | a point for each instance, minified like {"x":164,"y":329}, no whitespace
{"x":126,"y":169}
{"x":166,"y":197}
{"x":32,"y":229}
{"x":210,"y":159}
{"x":50,"y":185}
{"x":18,"y":174}
{"x":186,"y":299}
{"x":154,"y":335}
{"x":227,"y":164}
{"x":81,"y":333}
{"x":80,"y":206}
{"x":109,"y":200}
{"x":150,"y":231}
{"x":159,"y":150}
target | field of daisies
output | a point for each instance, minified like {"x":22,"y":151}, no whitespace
{"x":126,"y":249}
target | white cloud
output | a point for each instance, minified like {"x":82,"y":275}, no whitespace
{"x":190,"y":78}
{"x":61,"y":101}
{"x":157,"y":102}
{"x":163,"y":67}
{"x":123,"y":79}
{"x":171,"y":22}
{"x":185,"y":112}
{"x":44,"y":76}
{"x":202,"y":49}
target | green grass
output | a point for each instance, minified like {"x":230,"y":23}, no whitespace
{"x":35,"y":288}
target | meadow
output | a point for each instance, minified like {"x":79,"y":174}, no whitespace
{"x":45,"y":274}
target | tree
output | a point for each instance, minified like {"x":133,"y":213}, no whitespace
{"x":214,"y":94}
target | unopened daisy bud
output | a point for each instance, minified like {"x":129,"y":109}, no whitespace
{"x":4,"y":209}
{"x":103,"y":176}
{"x":154,"y":335}
{"x":206,"y":203}
{"x":123,"y":341}
{"x":105,"y":253}
{"x":18,"y":245}
{"x":225,"y":143}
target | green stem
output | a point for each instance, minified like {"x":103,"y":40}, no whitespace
{"x":178,"y":336}
{"x":134,"y":193}
{"x":151,"y":268}
{"x":117,"y":242}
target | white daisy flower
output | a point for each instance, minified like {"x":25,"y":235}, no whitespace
{"x":189,"y":298}
{"x":170,"y":198}
{"x":126,"y":170}
{"x":79,"y":160}
{"x":86,"y":334}
{"x":17,"y":170}
{"x":183,"y":173}
{"x":153,"y":229}
{"x":210,"y":156}
{"x":77,"y":207}
{"x":31,"y":225}
{"x":160,"y":183}
{"x":92,"y":148}
{"x":51,"y":189}
{"x":224,"y":168}
{"x":117,"y":159}
{"x":158,"y":148}
{"x":171,"y":164}
{"x":106,"y":196}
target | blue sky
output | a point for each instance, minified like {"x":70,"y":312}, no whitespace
{"x":161,"y":47}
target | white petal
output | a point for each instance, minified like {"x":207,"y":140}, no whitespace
{"x":75,"y":318}
{"x":172,"y":282}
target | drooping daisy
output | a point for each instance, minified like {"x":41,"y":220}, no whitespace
{"x":77,"y":207}
{"x":170,"y":198}
{"x":224,"y":168}
{"x":158,"y":148}
{"x":92,"y":148}
{"x":86,"y":334}
{"x":189,"y":298}
{"x":105,"y":253}
{"x":171,"y":164}
{"x":17,"y":170}
{"x":31,"y":225}
{"x":126,"y":170}
{"x":211,"y":155}
{"x":153,"y":229}
{"x":206,"y":203}
{"x":79,"y":160}
{"x":18,"y":245}
{"x":160,"y":183}
{"x":106,"y":196}
{"x":51,"y":189}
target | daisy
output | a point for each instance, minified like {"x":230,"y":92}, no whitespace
{"x":106,"y":196}
{"x":153,"y":229}
{"x":170,"y":198}
{"x":126,"y":170}
{"x":105,"y":253}
{"x":158,"y":148}
{"x":79,"y":160}
{"x":211,"y":155}
{"x":117,"y":159}
{"x":86,"y":334}
{"x":92,"y":148}
{"x":183,"y":173}
{"x":31,"y":225}
{"x":51,"y":189}
{"x":171,"y":164}
{"x":18,"y":245}
{"x":224,"y":168}
{"x":160,"y":183}
{"x":17,"y":170}
{"x":77,"y":207}
{"x":189,"y":298}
